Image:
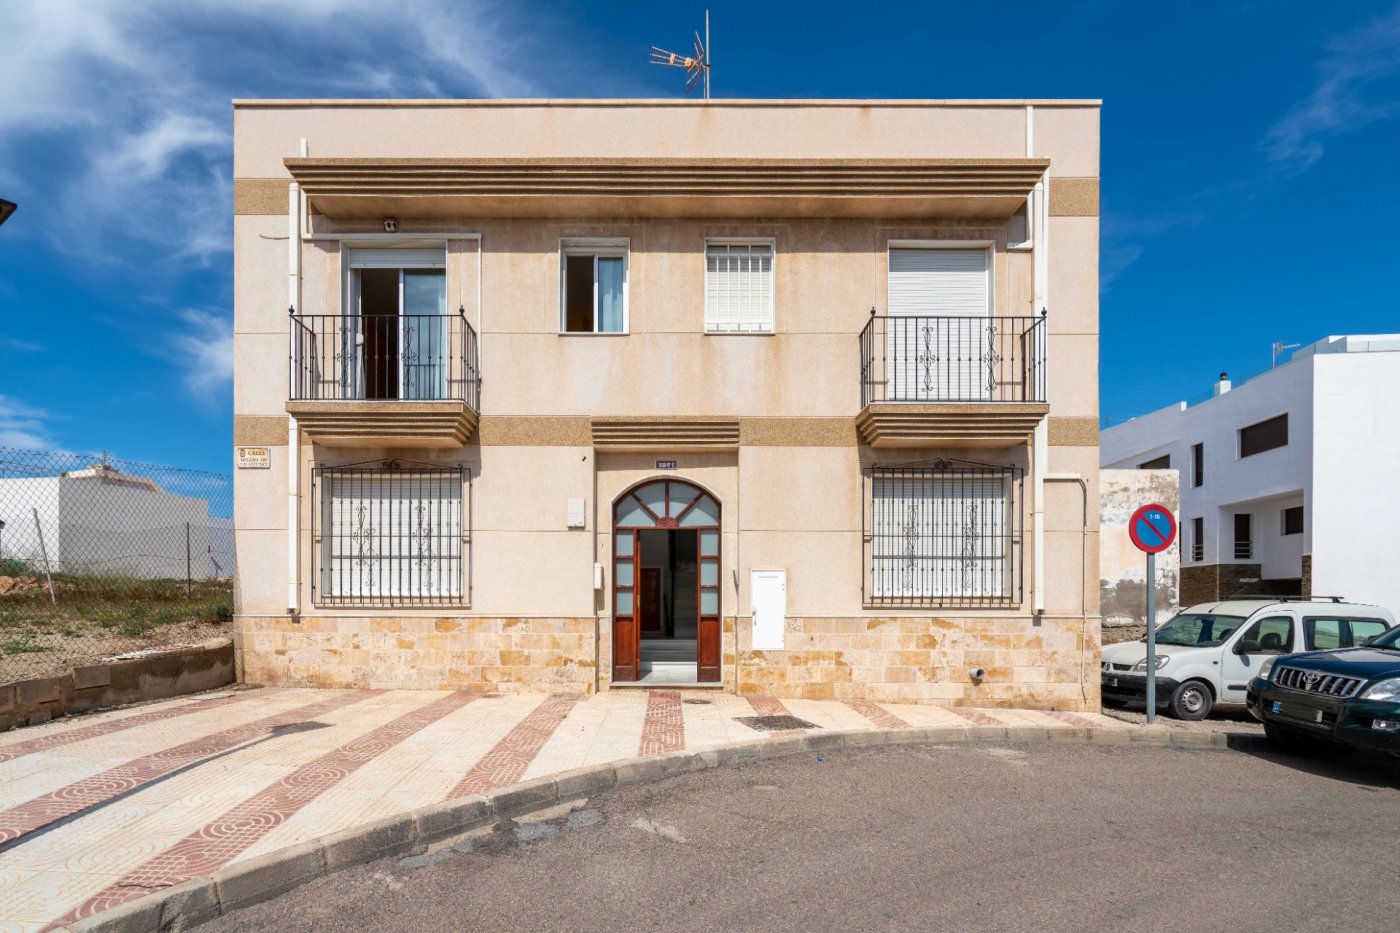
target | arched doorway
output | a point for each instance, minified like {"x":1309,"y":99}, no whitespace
{"x":665,"y":578}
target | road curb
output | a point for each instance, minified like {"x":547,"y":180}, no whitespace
{"x":249,"y":882}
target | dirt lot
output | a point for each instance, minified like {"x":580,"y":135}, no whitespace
{"x":90,"y":618}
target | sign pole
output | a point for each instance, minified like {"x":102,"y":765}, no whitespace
{"x":1151,"y":638}
{"x":1152,"y":528}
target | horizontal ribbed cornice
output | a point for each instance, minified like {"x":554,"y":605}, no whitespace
{"x":665,"y":433}
{"x":441,"y":424}
{"x":802,"y":187}
{"x":949,"y":424}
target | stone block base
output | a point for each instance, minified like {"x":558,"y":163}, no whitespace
{"x":490,"y":655}
{"x":1051,"y":663}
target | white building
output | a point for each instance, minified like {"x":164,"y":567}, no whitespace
{"x":1290,"y":483}
{"x":105,"y":522}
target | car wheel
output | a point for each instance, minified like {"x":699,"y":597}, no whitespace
{"x":1191,"y":701}
{"x":1286,"y":740}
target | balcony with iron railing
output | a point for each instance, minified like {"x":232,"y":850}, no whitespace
{"x":403,"y":380}
{"x":947,"y":380}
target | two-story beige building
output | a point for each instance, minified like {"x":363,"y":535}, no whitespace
{"x":795,"y":398}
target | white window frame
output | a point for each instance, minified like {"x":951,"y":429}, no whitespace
{"x":608,"y":247}
{"x":763,"y":327}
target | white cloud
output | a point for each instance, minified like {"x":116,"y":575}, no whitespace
{"x":1123,"y":236}
{"x":23,"y":425}
{"x":205,"y":350}
{"x":120,"y":114}
{"x":1345,"y":98}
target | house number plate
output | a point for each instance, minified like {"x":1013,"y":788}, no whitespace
{"x":665,"y":464}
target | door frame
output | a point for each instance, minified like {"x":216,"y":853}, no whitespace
{"x":626,"y":627}
{"x":352,"y":316}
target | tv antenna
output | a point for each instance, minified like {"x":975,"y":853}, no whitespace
{"x":1278,"y":347}
{"x":696,"y":65}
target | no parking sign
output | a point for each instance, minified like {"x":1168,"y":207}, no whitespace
{"x":1152,"y":529}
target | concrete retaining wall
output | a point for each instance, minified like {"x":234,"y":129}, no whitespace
{"x":117,"y":683}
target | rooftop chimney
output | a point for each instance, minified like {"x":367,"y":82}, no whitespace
{"x":1223,"y":385}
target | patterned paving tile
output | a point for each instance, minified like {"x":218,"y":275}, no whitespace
{"x":121,"y":835}
{"x":507,"y":761}
{"x":380,"y":753}
{"x":1072,"y":718}
{"x":80,"y":795}
{"x":35,"y":774}
{"x":108,"y":725}
{"x":772,"y":706}
{"x":218,"y":842}
{"x":664,"y":728}
{"x":396,"y":781}
{"x":976,"y":716}
{"x":876,"y":714}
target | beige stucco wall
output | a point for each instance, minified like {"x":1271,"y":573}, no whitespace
{"x":791,"y":494}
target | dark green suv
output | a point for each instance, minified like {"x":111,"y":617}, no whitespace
{"x":1350,"y":696}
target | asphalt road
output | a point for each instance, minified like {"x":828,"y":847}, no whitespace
{"x":1043,"y":837}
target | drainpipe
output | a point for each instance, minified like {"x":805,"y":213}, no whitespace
{"x":294,"y":215}
{"x":1040,"y":444}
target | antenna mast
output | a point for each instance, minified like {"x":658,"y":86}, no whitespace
{"x":696,"y":65}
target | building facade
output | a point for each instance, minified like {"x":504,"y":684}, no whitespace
{"x":795,"y":398}
{"x":1286,"y":480}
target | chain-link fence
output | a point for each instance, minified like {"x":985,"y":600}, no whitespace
{"x":99,"y":557}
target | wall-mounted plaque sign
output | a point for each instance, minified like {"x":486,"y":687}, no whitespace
{"x":252,"y":458}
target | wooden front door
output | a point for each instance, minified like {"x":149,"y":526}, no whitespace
{"x":649,"y":599}
{"x":664,"y":504}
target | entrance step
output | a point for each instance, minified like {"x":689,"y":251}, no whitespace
{"x":668,"y":650}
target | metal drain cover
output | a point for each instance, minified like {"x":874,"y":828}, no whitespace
{"x":775,"y":723}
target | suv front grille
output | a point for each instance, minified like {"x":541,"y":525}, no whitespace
{"x":1332,"y":685}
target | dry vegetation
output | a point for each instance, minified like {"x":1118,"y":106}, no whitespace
{"x":91,"y":618}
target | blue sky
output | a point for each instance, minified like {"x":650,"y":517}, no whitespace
{"x":1248,"y":150}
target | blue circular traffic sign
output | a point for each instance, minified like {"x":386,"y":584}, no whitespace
{"x":1152,"y":528}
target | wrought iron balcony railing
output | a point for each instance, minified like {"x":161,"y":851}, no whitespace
{"x":919,"y":358}
{"x":400,"y":357}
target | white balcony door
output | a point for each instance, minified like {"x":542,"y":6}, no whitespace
{"x":395,"y":339}
{"x":937,"y":341}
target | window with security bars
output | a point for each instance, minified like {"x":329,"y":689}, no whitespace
{"x":944,"y":533}
{"x":738,"y":287}
{"x":391,"y":534}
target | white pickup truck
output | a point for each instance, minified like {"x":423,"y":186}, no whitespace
{"x":1208,"y":653}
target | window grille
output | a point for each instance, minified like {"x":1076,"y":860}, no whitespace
{"x":943,"y":533}
{"x":739,"y":287}
{"x":391,"y":534}
{"x":1198,"y":539}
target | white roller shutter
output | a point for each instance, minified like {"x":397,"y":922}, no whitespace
{"x":934,"y":356}
{"x":433,"y":257}
{"x":739,"y":287}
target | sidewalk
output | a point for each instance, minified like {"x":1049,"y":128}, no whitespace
{"x":104,"y":809}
